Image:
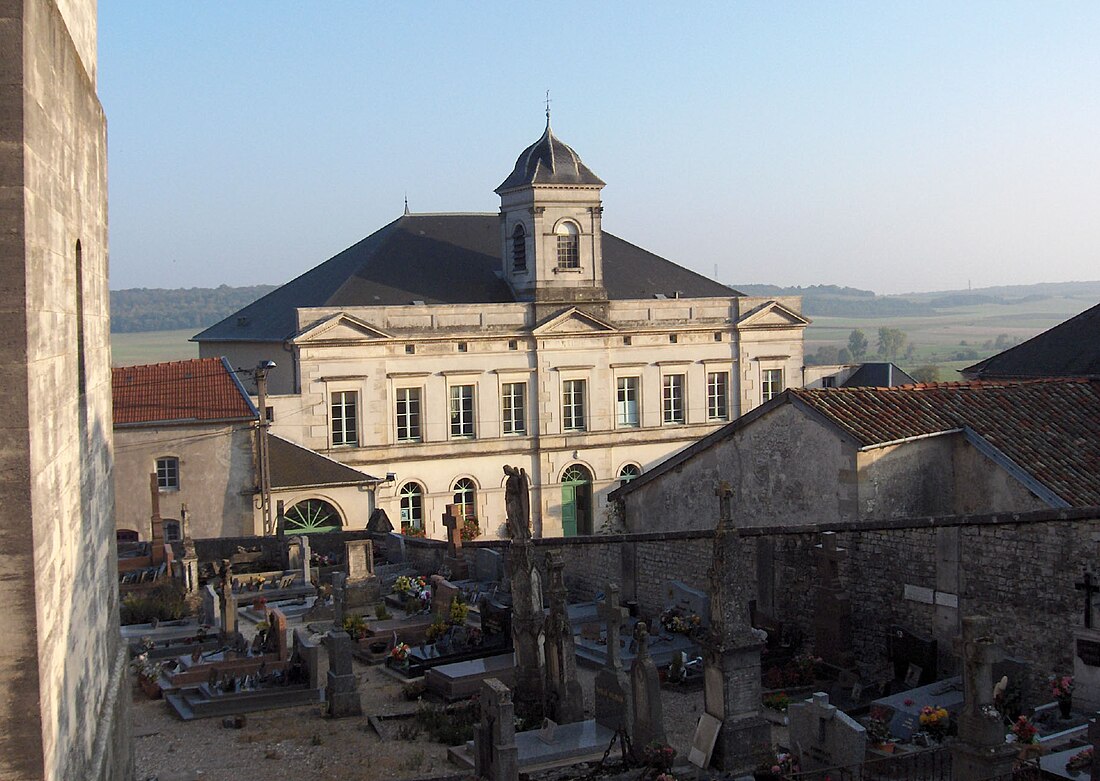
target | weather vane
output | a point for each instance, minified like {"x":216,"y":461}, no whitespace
{"x":548,"y":106}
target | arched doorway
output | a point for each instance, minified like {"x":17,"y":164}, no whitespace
{"x":312,"y":516}
{"x":576,"y":501}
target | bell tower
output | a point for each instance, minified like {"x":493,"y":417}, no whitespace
{"x":550,"y":225}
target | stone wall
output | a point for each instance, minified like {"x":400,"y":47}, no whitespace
{"x":64,"y":695}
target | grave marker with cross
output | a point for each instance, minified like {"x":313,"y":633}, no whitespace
{"x":454,"y":530}
{"x":1089,"y":587}
{"x":614,"y":615}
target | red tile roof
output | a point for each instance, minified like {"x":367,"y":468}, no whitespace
{"x":1049,"y":428}
{"x":200,"y":389}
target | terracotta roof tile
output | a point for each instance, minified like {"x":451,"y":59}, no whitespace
{"x":200,"y":389}
{"x":1049,"y":428}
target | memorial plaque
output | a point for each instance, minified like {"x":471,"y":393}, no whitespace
{"x":1088,"y":651}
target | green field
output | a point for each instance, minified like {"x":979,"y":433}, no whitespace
{"x":153,"y":347}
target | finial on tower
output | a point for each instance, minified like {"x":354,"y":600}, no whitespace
{"x":406,"y":203}
{"x":548,"y":108}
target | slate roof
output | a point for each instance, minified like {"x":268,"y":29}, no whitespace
{"x":549,"y":161}
{"x":879,"y":375}
{"x":179,"y":392}
{"x":1071,"y":349}
{"x":439,"y":259}
{"x":294,"y":466}
{"x":1048,"y":428}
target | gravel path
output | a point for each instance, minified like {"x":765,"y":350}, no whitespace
{"x":299,"y":744}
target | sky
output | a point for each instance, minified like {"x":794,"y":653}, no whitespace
{"x":891,"y":146}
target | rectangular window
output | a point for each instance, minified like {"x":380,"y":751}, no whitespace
{"x":462,"y":411}
{"x":572,"y":405}
{"x":673,"y":398}
{"x":408,"y":414}
{"x":773,"y":383}
{"x":345,"y":432}
{"x":513,"y":407}
{"x":168,"y":474}
{"x":718,"y":385}
{"x":626,"y":402}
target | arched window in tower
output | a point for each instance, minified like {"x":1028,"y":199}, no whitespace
{"x":519,"y":249}
{"x":569,"y":252}
{"x":466,"y":497}
{"x":412,"y":506}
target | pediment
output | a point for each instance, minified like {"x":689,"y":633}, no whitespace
{"x":340,"y":327}
{"x":573,"y":321}
{"x":772,"y":315}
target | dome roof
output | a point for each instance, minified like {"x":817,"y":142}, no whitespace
{"x":549,"y":161}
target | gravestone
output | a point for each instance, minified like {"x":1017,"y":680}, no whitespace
{"x":702,"y":742}
{"x":822,"y":736}
{"x":645,"y":689}
{"x":443,"y":593}
{"x":339,"y":598}
{"x":395,"y":548}
{"x":211,"y":606}
{"x":1016,"y":699}
{"x":379,"y":522}
{"x":613,"y":699}
{"x":455,"y":559}
{"x":276,"y":621}
{"x":341,"y":693}
{"x":496,"y":624}
{"x":690,"y":601}
{"x":359,"y":555}
{"x":229,"y":614}
{"x":565,"y":700}
{"x":496,"y":757}
{"x":980,"y":750}
{"x":1086,"y":649}
{"x":731,"y":659}
{"x":315,"y":662}
{"x":305,"y":557}
{"x":833,"y":609}
{"x":526,"y":588}
{"x":488,"y":566}
{"x":913,"y":658}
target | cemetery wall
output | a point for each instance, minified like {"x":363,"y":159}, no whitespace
{"x":214,"y":550}
{"x":64,"y":693}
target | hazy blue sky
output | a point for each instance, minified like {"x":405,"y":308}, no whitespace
{"x":887,"y":145}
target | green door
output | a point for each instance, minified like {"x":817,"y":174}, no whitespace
{"x":575,"y":497}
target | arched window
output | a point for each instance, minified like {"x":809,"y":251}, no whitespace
{"x":466,"y":497}
{"x":171,"y":530}
{"x":628,"y":473}
{"x":519,"y":249}
{"x":412,"y":505}
{"x":313,"y":516}
{"x":569,"y":252}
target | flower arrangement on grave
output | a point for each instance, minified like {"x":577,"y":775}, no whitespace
{"x":805,"y":668}
{"x":413,"y":531}
{"x":411,"y":587}
{"x":1082,"y":760}
{"x":678,"y":622}
{"x":260,"y":604}
{"x":934,"y":720}
{"x":784,"y":763}
{"x":324,"y":592}
{"x":400,"y":653}
{"x":1061,"y":687}
{"x":322,"y":559}
{"x":777,"y":701}
{"x":470,"y":529}
{"x":147,"y":644}
{"x":658,"y":756}
{"x":436,"y":630}
{"x":878,"y":726}
{"x":459,"y":612}
{"x":1024,"y":731}
{"x":355,"y":626}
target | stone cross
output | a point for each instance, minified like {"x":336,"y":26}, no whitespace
{"x":1089,"y":587}
{"x":614,"y":614}
{"x":496,"y":757}
{"x":339,"y":598}
{"x":454,"y":531}
{"x":645,"y":684}
{"x":979,"y":653}
{"x":829,"y":557}
{"x":725,"y":497}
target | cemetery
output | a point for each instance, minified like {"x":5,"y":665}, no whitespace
{"x":755,"y":658}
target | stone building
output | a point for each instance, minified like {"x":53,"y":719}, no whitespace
{"x":193,"y":424}
{"x":64,"y":692}
{"x":859,"y":454}
{"x":443,"y":346}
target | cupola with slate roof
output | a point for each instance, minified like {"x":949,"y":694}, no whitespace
{"x":550,"y":225}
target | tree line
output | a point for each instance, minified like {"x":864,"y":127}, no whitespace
{"x":159,"y":309}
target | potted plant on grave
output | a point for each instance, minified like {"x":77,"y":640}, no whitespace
{"x":148,"y":675}
{"x":355,"y":626}
{"x":658,"y":756}
{"x":1061,"y":688}
{"x":934,"y":720}
{"x":1027,"y":736}
{"x":777,"y":701}
{"x":782,"y":763}
{"x":399,"y":655}
{"x":437,"y":629}
{"x":460,"y":611}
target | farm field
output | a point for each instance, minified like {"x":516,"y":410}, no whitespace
{"x":153,"y":347}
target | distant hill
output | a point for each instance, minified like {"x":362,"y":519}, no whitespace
{"x":158,"y":309}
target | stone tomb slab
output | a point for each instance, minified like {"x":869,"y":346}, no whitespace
{"x":662,"y":647}
{"x":582,"y":741}
{"x":1054,"y":766}
{"x":824,"y":737}
{"x":463,"y":679}
{"x":905,"y":719}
